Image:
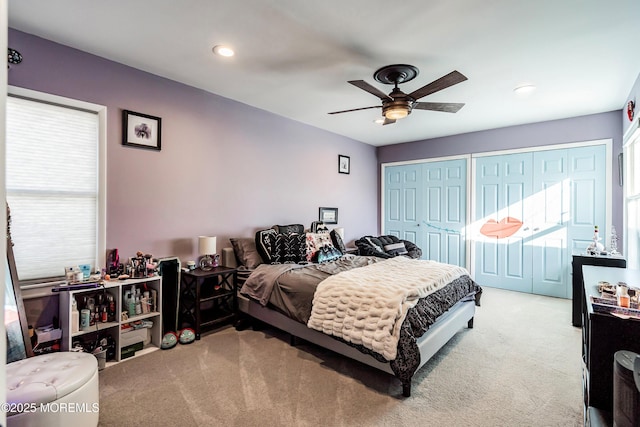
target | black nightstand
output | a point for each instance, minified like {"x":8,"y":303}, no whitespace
{"x":208,"y":298}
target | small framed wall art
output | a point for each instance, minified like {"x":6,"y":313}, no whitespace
{"x":328,"y":215}
{"x":141,"y":130}
{"x":344,"y":164}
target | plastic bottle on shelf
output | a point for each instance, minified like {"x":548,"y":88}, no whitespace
{"x":75,"y":316}
{"x":131,"y":309}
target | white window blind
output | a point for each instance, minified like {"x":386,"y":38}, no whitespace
{"x":632,"y":199}
{"x":52,"y":186}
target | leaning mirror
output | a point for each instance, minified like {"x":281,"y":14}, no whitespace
{"x":15,"y":319}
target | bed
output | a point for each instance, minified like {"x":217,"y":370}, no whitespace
{"x":282,"y":296}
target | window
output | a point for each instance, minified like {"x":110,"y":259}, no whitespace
{"x":54,"y":181}
{"x":632,"y":199}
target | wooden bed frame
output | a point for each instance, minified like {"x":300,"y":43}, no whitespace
{"x":447,"y":325}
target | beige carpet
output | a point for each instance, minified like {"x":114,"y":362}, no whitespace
{"x":519,"y":366}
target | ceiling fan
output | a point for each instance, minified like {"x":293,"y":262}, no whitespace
{"x":398,"y":105}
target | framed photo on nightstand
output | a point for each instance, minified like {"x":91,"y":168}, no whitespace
{"x":328,"y":215}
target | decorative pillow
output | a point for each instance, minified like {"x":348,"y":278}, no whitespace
{"x":328,"y":253}
{"x":337,"y":241}
{"x":292,"y":248}
{"x":315,"y":241}
{"x":264,"y":243}
{"x":284,"y":248}
{"x":396,"y":249}
{"x":289,"y":229}
{"x":246,"y":252}
{"x":319,"y":227}
{"x":376,"y":243}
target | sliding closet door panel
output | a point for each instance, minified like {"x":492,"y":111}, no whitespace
{"x":502,"y":252}
{"x":445,"y":206}
{"x":550,"y":215}
{"x":403,"y":202}
{"x":587,"y":169}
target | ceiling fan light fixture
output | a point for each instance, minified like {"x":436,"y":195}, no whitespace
{"x":396,"y":112}
{"x":223,"y":50}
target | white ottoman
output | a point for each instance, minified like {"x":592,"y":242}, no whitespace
{"x":57,"y":389}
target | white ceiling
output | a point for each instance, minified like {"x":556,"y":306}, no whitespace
{"x":294,"y":57}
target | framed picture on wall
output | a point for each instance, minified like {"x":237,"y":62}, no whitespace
{"x":344,"y":164}
{"x":141,"y":130}
{"x":328,"y":215}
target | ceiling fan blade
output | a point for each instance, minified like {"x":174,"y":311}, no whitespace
{"x":355,"y":109}
{"x":371,"y":89}
{"x":443,"y":82}
{"x":447,"y":107}
{"x":388,"y":121}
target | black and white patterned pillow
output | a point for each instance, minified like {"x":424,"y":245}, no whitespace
{"x":287,"y":248}
{"x":289,"y":229}
{"x":396,"y":249}
{"x":337,"y":241}
{"x":265,"y":244}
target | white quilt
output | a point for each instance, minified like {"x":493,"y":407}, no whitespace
{"x":367,"y":305}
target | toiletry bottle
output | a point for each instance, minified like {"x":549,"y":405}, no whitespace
{"x":154,"y":299}
{"x":75,"y":316}
{"x":85,"y":319}
{"x":131,"y":309}
{"x":112,"y":308}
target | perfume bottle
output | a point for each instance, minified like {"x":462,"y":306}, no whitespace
{"x":613,"y":249}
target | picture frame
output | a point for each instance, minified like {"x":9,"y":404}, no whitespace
{"x":344,"y":164}
{"x":328,"y":215}
{"x":141,"y":130}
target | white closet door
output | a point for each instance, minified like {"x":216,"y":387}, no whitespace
{"x":403,"y":192}
{"x":426,"y":203}
{"x":551,"y":186}
{"x":503,"y":196}
{"x":445,"y":211}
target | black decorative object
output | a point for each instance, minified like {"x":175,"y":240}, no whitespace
{"x":141,"y":130}
{"x":344,"y":164}
{"x":14,"y":56}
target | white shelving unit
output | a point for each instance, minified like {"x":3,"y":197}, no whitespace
{"x":116,"y":288}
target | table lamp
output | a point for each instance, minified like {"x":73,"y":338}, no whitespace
{"x":207,"y":248}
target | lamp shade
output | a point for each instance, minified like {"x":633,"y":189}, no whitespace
{"x":396,"y":112}
{"x":207,"y":245}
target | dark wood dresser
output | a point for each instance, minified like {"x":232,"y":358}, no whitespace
{"x":602,"y":335}
{"x":578,"y":285}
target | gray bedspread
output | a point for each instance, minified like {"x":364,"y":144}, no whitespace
{"x":289,"y":288}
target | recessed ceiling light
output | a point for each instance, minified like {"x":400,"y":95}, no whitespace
{"x":525,"y":89}
{"x":223,"y":50}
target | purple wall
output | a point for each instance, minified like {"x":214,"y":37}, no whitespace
{"x":225,"y":169}
{"x":585,"y":128}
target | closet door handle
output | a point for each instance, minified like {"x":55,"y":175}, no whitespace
{"x":536,"y":229}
